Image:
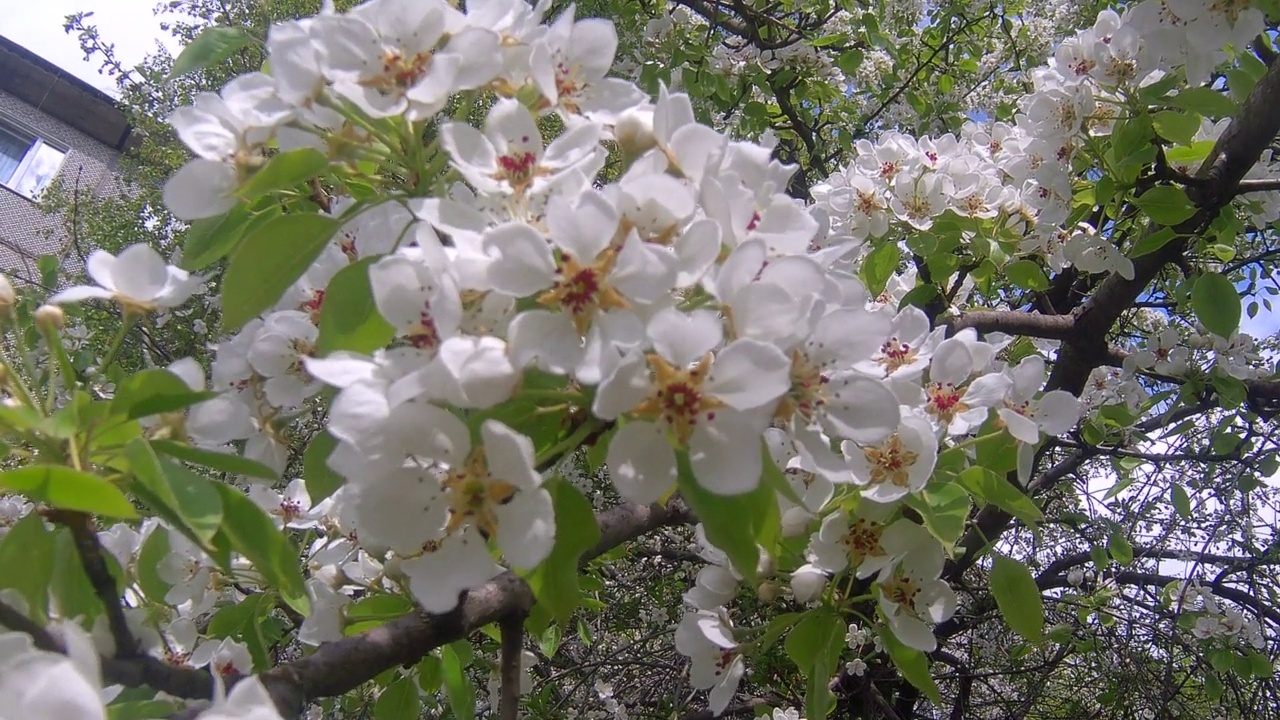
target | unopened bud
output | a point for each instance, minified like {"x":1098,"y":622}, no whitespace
{"x":50,"y":316}
{"x":795,"y":522}
{"x":807,"y":583}
{"x":764,"y":567}
{"x":8,"y":296}
{"x":634,"y":132}
{"x":768,"y":591}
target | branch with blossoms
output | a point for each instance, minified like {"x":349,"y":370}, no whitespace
{"x":475,"y":337}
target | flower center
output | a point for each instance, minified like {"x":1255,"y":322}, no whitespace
{"x":289,"y":510}
{"x":677,"y":398}
{"x":863,"y":541}
{"x":399,"y":72}
{"x":311,"y":305}
{"x":890,"y":461}
{"x":895,"y":354}
{"x":423,"y":334}
{"x":869,"y":203}
{"x":944,"y":401}
{"x":518,"y":169}
{"x":582,"y":290}
{"x":807,"y":392}
{"x":474,"y":494}
{"x":901,"y":590}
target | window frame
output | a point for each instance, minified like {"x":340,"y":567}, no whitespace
{"x":35,"y":141}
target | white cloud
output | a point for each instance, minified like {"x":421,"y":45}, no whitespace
{"x":128,"y":24}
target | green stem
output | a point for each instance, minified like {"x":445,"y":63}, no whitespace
{"x":130,"y":319}
{"x":569,"y":444}
{"x":15,"y":382}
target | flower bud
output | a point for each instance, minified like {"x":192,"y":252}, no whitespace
{"x":795,"y":521}
{"x":8,"y":296}
{"x":1075,"y":577}
{"x":50,"y":317}
{"x":764,"y":568}
{"x":634,"y":132}
{"x":768,"y":591}
{"x":807,"y":583}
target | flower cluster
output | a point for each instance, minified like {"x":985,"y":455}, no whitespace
{"x":688,"y":313}
{"x":689,"y":308}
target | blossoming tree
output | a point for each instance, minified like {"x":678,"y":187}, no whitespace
{"x":869,"y":365}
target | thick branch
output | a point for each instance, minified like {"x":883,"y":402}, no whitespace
{"x":1236,"y":595}
{"x":133,"y":672}
{"x":340,"y":666}
{"x":1013,"y":322}
{"x":1237,"y":150}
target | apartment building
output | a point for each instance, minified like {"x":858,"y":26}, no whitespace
{"x":54,"y":127}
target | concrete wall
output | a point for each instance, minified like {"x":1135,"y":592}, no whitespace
{"x":25,"y":232}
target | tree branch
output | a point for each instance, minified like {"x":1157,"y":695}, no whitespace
{"x":337,"y":667}
{"x":104,"y":584}
{"x":512,"y":628}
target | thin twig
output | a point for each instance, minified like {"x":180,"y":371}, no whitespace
{"x":512,"y":628}
{"x":104,"y":584}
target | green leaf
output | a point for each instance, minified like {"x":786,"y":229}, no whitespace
{"x":208,"y":240}
{"x":253,"y":535}
{"x":1130,"y":137}
{"x":913,"y":665}
{"x":321,"y":480}
{"x":944,"y":508}
{"x":1119,"y":547}
{"x":430,"y":674}
{"x":995,"y":489}
{"x":555,"y":582}
{"x":1190,"y":154}
{"x":152,"y":554}
{"x":26,"y":562}
{"x":1206,"y":101}
{"x":1181,"y":501}
{"x":373,"y":611}
{"x":284,"y":170}
{"x":1178,"y":128}
{"x":210,"y":47}
{"x":141,"y":710}
{"x":1216,"y":304}
{"x":814,"y":646}
{"x":462,"y":699}
{"x":225,"y":462}
{"x":1152,"y":241}
{"x":1017,"y":596}
{"x":270,"y":260}
{"x":996,"y":451}
{"x":1027,"y":274}
{"x":243,"y":621}
{"x":733,"y":523}
{"x":850,"y":61}
{"x":755,"y":110}
{"x":399,"y":701}
{"x":878,"y":266}
{"x":154,"y":391}
{"x":1166,"y":204}
{"x":68,"y":489}
{"x":187,"y":500}
{"x":349,"y":319}
{"x":70,"y":585}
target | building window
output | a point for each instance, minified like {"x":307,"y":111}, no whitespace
{"x":28,"y":163}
